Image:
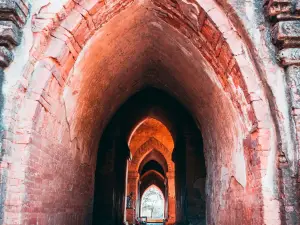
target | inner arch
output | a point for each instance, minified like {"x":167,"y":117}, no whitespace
{"x":153,"y":163}
{"x":153,"y":203}
{"x":148,"y":128}
{"x":157,"y":55}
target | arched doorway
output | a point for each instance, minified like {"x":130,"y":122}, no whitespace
{"x":152,"y":144}
{"x":155,"y":179}
{"x":152,"y":204}
{"x":149,"y":159}
{"x":87,"y":69}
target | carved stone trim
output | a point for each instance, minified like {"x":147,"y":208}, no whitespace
{"x":13,"y":15}
{"x":289,"y":56}
{"x":285,"y":18}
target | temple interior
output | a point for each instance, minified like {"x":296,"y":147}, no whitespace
{"x":157,"y":112}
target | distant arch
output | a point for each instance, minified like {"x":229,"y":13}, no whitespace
{"x":150,"y":178}
{"x":154,"y":156}
{"x":151,"y":127}
{"x":153,"y":203}
{"x":145,"y":149}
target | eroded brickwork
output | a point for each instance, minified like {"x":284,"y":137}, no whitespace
{"x":75,"y":79}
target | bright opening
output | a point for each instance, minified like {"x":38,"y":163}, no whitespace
{"x":152,"y":205}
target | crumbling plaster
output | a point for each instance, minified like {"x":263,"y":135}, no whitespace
{"x":249,"y":13}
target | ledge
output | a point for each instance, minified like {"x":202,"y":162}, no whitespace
{"x":13,"y":15}
{"x":285,"y":18}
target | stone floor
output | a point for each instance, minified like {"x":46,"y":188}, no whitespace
{"x":154,"y":223}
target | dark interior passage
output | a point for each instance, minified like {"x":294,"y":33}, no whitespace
{"x":152,"y":165}
{"x":114,"y":157}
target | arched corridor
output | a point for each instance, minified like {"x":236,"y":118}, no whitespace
{"x":120,"y":97}
{"x":142,"y":151}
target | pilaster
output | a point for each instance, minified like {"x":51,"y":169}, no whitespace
{"x":170,"y":177}
{"x":284,"y":16}
{"x":132,"y":185}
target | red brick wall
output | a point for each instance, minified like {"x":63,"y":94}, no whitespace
{"x":68,"y":108}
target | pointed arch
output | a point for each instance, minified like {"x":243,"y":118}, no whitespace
{"x":145,"y":149}
{"x":151,"y":127}
{"x":152,"y":177}
{"x":156,"y":191}
{"x":55,"y":87}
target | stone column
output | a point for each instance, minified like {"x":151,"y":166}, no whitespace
{"x":132,"y":186}
{"x":284,"y":16}
{"x":171,"y":197}
{"x":290,"y":170}
{"x":13,"y":16}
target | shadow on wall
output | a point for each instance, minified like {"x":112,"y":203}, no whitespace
{"x":200,"y":203}
{"x":3,"y":174}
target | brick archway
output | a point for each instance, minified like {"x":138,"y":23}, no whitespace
{"x":149,"y":179}
{"x":146,"y":148}
{"x":161,"y":193}
{"x":45,"y":126}
{"x":134,"y":177}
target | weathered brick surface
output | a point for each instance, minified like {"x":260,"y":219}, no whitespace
{"x":285,"y":20}
{"x":43,"y":106}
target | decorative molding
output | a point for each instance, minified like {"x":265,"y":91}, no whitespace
{"x":13,"y":15}
{"x":285,"y":18}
